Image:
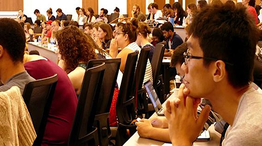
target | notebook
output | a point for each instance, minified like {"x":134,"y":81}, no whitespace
{"x":154,"y":98}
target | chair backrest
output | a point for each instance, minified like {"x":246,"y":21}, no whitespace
{"x":105,"y":97}
{"x":85,"y":112}
{"x":38,"y":96}
{"x":108,"y":83}
{"x":69,"y":17}
{"x":112,"y":17}
{"x":139,"y":76}
{"x":157,"y":61}
{"x":125,"y":102}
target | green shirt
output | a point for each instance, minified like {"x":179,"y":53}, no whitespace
{"x":41,"y":18}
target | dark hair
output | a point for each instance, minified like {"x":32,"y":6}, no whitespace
{"x":77,"y":8}
{"x":89,"y":25}
{"x":168,"y":6}
{"x":129,"y":28}
{"x":258,"y":8}
{"x":192,"y":7}
{"x":177,"y":56}
{"x":154,"y":5}
{"x":252,"y":3}
{"x":105,"y":11}
{"x":227,"y":34}
{"x":74,"y":47}
{"x":36,"y":11}
{"x":230,"y":3}
{"x":117,"y":9}
{"x":34,"y":52}
{"x":12,"y":38}
{"x":202,"y":3}
{"x":107,"y":28}
{"x":149,"y":6}
{"x":65,"y":22}
{"x":137,"y":7}
{"x":74,"y":23}
{"x":89,"y":18}
{"x":59,"y":10}
{"x":49,"y":11}
{"x":38,"y":22}
{"x":180,"y":10}
{"x":167,"y":26}
{"x":157,"y":32}
{"x":144,"y":29}
{"x":84,"y":11}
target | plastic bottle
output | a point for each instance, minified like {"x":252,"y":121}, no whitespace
{"x":39,"y":40}
{"x":177,"y":81}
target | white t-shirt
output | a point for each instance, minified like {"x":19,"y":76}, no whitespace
{"x":247,"y":126}
{"x":158,"y":14}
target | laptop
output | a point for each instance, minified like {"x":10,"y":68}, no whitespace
{"x":154,"y":98}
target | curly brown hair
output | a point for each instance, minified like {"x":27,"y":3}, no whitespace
{"x":75,"y":47}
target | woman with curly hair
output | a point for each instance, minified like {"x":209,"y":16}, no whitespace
{"x":76,"y":49}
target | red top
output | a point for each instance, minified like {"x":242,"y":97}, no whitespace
{"x":64,"y":103}
{"x":251,"y":10}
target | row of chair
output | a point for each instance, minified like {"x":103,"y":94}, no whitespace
{"x":91,"y":126}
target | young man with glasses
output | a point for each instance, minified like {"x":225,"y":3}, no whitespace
{"x":218,"y":66}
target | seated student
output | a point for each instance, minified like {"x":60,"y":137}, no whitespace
{"x":142,"y":38}
{"x":225,"y":75}
{"x":76,"y":50}
{"x":50,"y":15}
{"x":172,"y":39}
{"x":88,"y":29}
{"x":136,"y":13}
{"x":90,"y":15}
{"x":82,"y":16}
{"x":12,"y":71}
{"x":29,"y":33}
{"x":105,"y":35}
{"x":47,"y":32}
{"x":21,"y":17}
{"x":63,"y":107}
{"x":102,"y":16}
{"x":157,"y":36}
{"x":157,"y":127}
{"x":37,"y":27}
{"x":126,"y":35}
{"x":60,"y":15}
{"x":39,"y":16}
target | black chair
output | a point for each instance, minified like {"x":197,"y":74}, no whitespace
{"x":112,"y":17}
{"x":69,"y":17}
{"x":38,"y":96}
{"x":125,"y":107}
{"x":83,"y":132}
{"x":156,"y":63}
{"x":105,"y":97}
{"x":139,"y":92}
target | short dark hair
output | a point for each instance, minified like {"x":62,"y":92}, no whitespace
{"x":231,"y":41}
{"x":105,"y":11}
{"x":167,"y":26}
{"x":117,"y":9}
{"x":38,"y":22}
{"x":157,"y":32}
{"x":168,"y":6}
{"x":77,"y":8}
{"x":154,"y":5}
{"x":59,"y":10}
{"x":12,"y":38}
{"x":177,"y":56}
{"x":74,"y":23}
{"x":36,"y":11}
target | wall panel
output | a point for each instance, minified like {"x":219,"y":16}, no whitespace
{"x":90,"y":3}
{"x":11,"y":5}
{"x":130,"y":3}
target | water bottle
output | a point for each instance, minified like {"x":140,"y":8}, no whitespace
{"x":177,"y":81}
{"x":39,"y":40}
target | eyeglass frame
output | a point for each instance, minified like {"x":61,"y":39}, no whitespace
{"x":188,"y":56}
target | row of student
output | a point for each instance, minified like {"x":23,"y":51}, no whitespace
{"x":214,"y":72}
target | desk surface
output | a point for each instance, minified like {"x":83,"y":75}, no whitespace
{"x":45,"y":52}
{"x":137,"y":141}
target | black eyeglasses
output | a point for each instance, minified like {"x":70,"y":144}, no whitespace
{"x":188,"y":56}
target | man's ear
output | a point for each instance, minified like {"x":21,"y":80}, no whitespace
{"x":219,"y":70}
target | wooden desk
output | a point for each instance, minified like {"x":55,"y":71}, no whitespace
{"x":180,"y":31}
{"x":135,"y":140}
{"x":45,"y":52}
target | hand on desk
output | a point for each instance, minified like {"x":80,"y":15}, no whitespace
{"x":183,"y":122}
